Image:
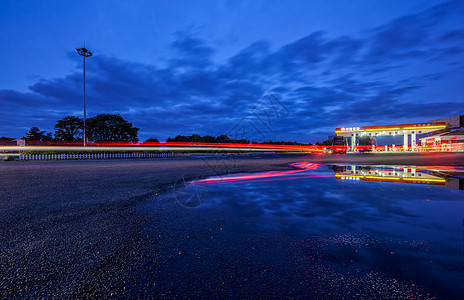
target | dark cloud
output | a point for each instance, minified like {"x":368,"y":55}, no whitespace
{"x":250,"y":63}
{"x":374,"y":77}
{"x":454,"y":35}
{"x":404,"y":37}
{"x":192,"y":52}
{"x":191,"y":46}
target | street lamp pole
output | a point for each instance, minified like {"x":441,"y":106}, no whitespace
{"x":84,"y":53}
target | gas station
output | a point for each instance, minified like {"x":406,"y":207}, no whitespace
{"x":352,"y":135}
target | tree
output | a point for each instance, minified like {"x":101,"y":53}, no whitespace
{"x":179,"y":138}
{"x":152,"y":140}
{"x":196,"y":138}
{"x":69,"y":129}
{"x":106,"y":127}
{"x":208,"y":139}
{"x":35,"y":134}
{"x":282,"y":143}
{"x":223,"y":139}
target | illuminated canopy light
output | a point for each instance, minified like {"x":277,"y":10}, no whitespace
{"x":348,"y":129}
{"x":426,"y":127}
{"x":390,"y":129}
{"x":369,"y":129}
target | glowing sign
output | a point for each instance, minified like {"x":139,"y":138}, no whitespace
{"x":437,"y":125}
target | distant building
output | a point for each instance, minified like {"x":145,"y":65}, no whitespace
{"x":452,"y":140}
{"x":452,"y":122}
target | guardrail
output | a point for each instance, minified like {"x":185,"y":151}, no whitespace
{"x":98,"y":156}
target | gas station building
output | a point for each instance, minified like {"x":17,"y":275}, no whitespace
{"x":353,"y":134}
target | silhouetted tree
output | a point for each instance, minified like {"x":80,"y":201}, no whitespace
{"x":35,"y":134}
{"x":282,"y":143}
{"x":196,"y":138}
{"x":69,"y":129}
{"x":223,"y":139}
{"x":152,"y":140}
{"x":208,"y":139}
{"x":179,"y":138}
{"x":105,"y":127}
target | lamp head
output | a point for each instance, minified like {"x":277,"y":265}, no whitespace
{"x":84,"y":52}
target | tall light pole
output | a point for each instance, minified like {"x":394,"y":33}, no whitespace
{"x":84,"y":53}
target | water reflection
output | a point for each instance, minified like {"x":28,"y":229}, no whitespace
{"x":395,"y":223}
{"x":316,"y":199}
{"x":447,"y":177}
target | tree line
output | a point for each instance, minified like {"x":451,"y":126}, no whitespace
{"x":195,"y":138}
{"x":104,"y":127}
{"x":113,"y":127}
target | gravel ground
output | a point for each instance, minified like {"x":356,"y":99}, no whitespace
{"x":74,"y":229}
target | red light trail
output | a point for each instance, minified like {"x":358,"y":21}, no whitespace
{"x":155,"y":146}
{"x":264,"y":176}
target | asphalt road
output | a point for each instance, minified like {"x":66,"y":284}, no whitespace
{"x":74,"y":229}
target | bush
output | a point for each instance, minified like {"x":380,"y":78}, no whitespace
{"x":9,"y":158}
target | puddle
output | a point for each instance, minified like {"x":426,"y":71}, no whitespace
{"x":391,"y":231}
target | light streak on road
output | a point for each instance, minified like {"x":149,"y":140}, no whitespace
{"x":263,"y":176}
{"x":156,"y":146}
{"x":106,"y":149}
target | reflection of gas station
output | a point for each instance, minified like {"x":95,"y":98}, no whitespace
{"x":353,"y":134}
{"x":441,"y":176}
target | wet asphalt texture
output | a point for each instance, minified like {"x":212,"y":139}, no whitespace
{"x":81,"y":229}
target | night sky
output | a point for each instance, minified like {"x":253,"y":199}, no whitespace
{"x":186,"y":67}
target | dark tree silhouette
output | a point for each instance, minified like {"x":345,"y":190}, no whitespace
{"x":179,"y":138}
{"x":208,"y":139}
{"x":105,"y":127}
{"x":69,"y":129}
{"x":35,"y":134}
{"x":223,"y":139}
{"x":196,"y":138}
{"x":152,"y":140}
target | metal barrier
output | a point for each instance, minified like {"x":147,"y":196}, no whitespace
{"x":99,"y":156}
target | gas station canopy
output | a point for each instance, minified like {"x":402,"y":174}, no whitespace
{"x":354,"y":133}
{"x":391,"y":129}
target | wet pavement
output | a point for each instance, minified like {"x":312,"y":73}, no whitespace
{"x":328,"y":231}
{"x":279,"y":228}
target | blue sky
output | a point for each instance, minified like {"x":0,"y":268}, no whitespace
{"x":185,"y":67}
